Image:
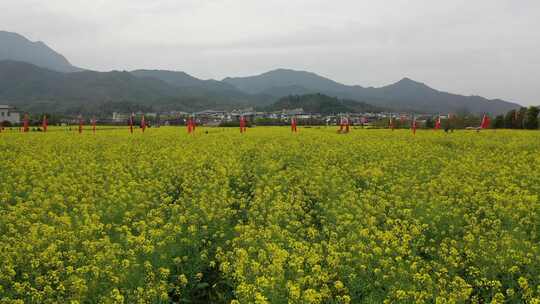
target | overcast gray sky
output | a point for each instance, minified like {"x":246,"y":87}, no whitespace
{"x":472,"y":47}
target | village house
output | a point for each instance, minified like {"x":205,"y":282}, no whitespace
{"x":120,"y":117}
{"x":9,"y":114}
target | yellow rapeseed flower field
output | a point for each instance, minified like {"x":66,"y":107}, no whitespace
{"x":268,"y":216}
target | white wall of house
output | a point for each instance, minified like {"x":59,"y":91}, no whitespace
{"x":8,"y":114}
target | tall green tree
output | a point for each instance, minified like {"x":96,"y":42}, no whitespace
{"x":522,"y":114}
{"x":531,"y":120}
{"x":509,"y":119}
{"x":429,"y":123}
{"x":515,"y":119}
{"x":499,"y":122}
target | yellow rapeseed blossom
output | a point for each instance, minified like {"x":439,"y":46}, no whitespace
{"x":373,"y":216}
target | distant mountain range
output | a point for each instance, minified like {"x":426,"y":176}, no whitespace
{"x":36,"y":78}
{"x":36,"y":89}
{"x":404,"y":95}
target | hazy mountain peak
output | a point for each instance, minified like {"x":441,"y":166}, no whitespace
{"x":289,"y":71}
{"x":294,"y":73}
{"x":16,"y":47}
{"x":282,"y":70}
{"x":152,"y":72}
{"x":282,"y":78}
{"x":406,"y":81}
{"x":182,"y":79}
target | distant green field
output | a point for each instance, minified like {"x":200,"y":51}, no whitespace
{"x":269,"y":216}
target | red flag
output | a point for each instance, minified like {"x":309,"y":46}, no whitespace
{"x":293,"y":125}
{"x":80,"y":123}
{"x":188,"y":124}
{"x":94,"y":125}
{"x":438,"y":123}
{"x":191,"y":125}
{"x":131,"y":123}
{"x":414,"y":126}
{"x":143,"y":124}
{"x":485,"y":122}
{"x":26,"y":123}
{"x":44,"y":123}
{"x":242,"y":124}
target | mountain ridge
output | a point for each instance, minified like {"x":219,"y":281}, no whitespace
{"x":405,"y":94}
{"x":14,"y":46}
{"x":183,"y":79}
{"x":38,"y":89}
{"x":179,"y":88}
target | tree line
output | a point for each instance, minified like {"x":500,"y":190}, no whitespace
{"x":524,"y":118}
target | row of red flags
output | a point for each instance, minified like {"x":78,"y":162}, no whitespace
{"x":413,"y":124}
{"x":483,"y":125}
{"x":344,"y":125}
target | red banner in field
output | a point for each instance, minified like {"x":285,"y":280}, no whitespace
{"x":293,"y":125}
{"x":189,"y":125}
{"x":26,"y":123}
{"x":80,"y":124}
{"x":485,"y":122}
{"x":143,"y":124}
{"x":242,"y":124}
{"x":44,"y":123}
{"x":131,"y":123}
{"x":344,"y":125}
{"x":438,"y":123}
{"x":94,"y":125}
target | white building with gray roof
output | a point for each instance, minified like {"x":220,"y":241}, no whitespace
{"x":9,"y":114}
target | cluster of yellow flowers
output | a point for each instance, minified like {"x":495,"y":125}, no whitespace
{"x":269,"y":217}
